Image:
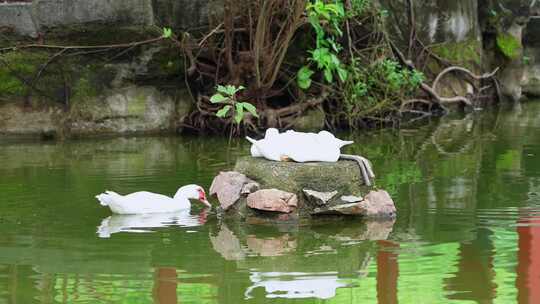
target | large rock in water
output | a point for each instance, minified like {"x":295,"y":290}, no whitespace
{"x":343,"y":176}
{"x":292,"y":191}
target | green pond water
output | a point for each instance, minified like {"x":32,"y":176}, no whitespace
{"x":467,"y":190}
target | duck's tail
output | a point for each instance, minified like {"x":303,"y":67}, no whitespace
{"x":105,"y":199}
{"x":343,"y":143}
{"x":251,"y":140}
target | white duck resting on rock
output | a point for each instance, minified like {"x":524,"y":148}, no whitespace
{"x":147,"y":202}
{"x":298,"y":146}
{"x":306,"y":147}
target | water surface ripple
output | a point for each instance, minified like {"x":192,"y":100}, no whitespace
{"x":467,"y":190}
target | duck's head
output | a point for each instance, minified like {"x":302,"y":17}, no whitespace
{"x":195,"y":192}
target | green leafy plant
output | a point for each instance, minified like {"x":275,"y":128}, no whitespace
{"x":227,"y":95}
{"x":304,"y":77}
{"x":325,"y":19}
{"x":374,"y":88}
{"x":358,"y":7}
{"x":398,"y":78}
{"x":167,"y":33}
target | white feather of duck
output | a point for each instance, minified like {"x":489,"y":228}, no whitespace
{"x":298,"y":146}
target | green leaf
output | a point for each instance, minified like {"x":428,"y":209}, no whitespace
{"x":333,"y":44}
{"x":167,"y":32}
{"x":239,"y":113}
{"x":340,"y":10}
{"x":305,"y":73}
{"x":322,"y":57}
{"x":250,"y":108}
{"x":328,"y":75}
{"x":304,"y":84}
{"x":342,"y":73}
{"x":335,"y":60}
{"x":304,"y":77}
{"x":231,"y":90}
{"x":217,"y":98}
{"x":314,"y":21}
{"x":221,"y":113}
{"x":222,"y":89}
{"x":325,"y":15}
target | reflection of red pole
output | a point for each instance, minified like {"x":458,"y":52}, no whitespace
{"x":387,"y":273}
{"x":528,"y":269}
{"x":165,"y":286}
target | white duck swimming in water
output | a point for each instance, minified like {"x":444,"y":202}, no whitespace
{"x":148,"y":202}
{"x":298,"y":146}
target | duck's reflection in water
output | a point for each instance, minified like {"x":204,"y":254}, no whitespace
{"x":295,"y":285}
{"x":142,"y":223}
{"x":294,"y":262}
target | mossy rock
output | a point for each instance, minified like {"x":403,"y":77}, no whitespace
{"x":17,"y":68}
{"x":509,"y":46}
{"x":80,"y":77}
{"x":343,"y":176}
{"x":98,"y":34}
{"x":467,"y":53}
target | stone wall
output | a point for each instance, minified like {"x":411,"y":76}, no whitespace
{"x":140,"y":91}
{"x":30,"y":19}
{"x":437,"y":21}
{"x":449,"y":29}
{"x":127,"y":110}
{"x":531,"y":60}
{"x":481,"y":35}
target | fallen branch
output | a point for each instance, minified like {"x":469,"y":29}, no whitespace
{"x":463,"y":70}
{"x":412,"y":102}
{"x":81,"y":47}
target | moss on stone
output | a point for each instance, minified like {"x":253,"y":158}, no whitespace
{"x":98,"y":34}
{"x":17,"y":68}
{"x":137,"y":105}
{"x":509,"y":46}
{"x":466,"y":52}
{"x":80,"y":77}
{"x":83,"y":90}
{"x":343,"y":176}
{"x":167,"y":63}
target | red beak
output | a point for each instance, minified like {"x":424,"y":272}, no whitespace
{"x":202,"y":199}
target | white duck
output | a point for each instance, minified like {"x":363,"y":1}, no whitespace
{"x":307,"y":147}
{"x":148,"y":202}
{"x":298,"y":146}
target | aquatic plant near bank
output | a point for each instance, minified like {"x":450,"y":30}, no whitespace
{"x":227,"y":95}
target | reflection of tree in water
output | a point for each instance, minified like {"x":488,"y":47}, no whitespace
{"x":450,"y":163}
{"x":474,"y":278}
{"x":528,"y":268}
{"x":472,"y":166}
